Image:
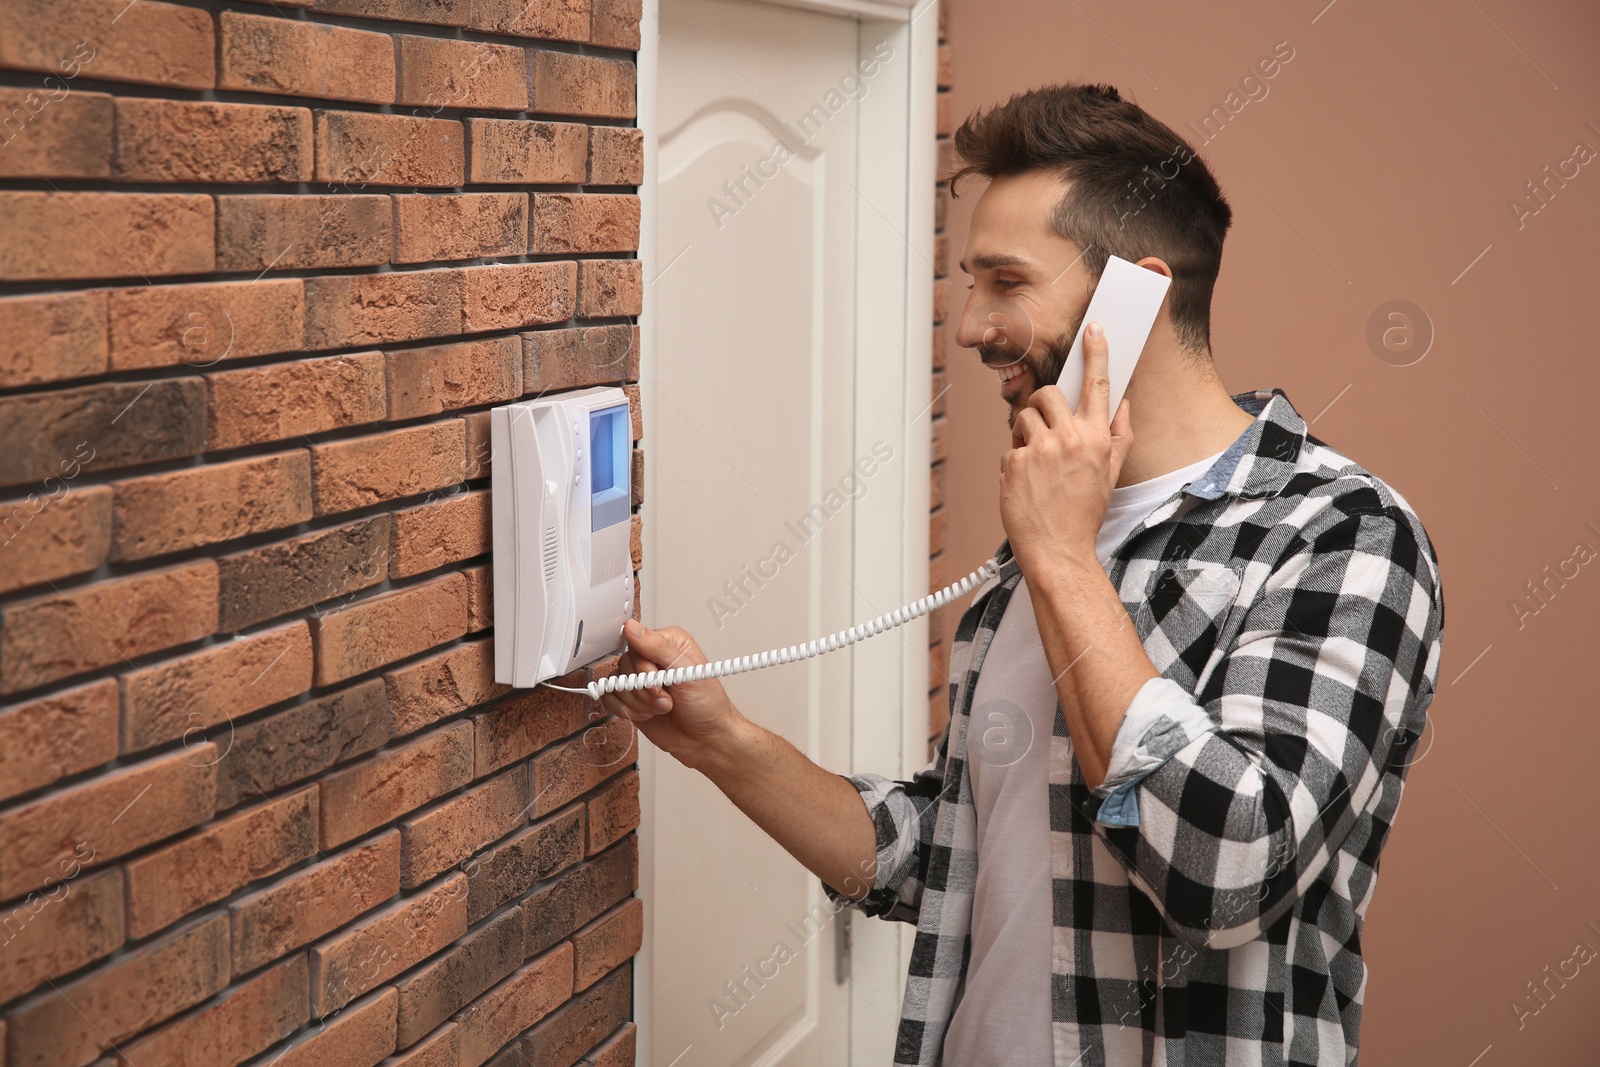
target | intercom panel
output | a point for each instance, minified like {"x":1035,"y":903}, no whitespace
{"x":562,"y":501}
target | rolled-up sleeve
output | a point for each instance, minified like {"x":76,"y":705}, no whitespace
{"x":903,"y":817}
{"x":1161,"y":721}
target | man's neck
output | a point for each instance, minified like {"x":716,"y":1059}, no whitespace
{"x":1181,"y":413}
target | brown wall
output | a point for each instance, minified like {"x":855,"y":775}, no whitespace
{"x":1383,"y":159}
{"x":264,"y":268}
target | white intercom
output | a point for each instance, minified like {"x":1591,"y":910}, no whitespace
{"x":562,"y":499}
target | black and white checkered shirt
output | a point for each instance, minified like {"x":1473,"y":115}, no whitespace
{"x":1208,"y":897}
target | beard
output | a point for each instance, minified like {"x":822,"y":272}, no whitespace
{"x":1045,"y":367}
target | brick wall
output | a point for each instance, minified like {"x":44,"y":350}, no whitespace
{"x":264,"y":268}
{"x":938,"y":572}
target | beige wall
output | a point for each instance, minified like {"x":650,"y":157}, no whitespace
{"x":1378,"y":166}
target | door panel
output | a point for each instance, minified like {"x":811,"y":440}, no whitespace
{"x":752,"y":405}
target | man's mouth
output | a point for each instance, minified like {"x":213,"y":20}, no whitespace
{"x":1013,"y":380}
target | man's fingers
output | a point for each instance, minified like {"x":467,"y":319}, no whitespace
{"x":1052,"y":406}
{"x":1029,"y":423}
{"x":1095,"y":400}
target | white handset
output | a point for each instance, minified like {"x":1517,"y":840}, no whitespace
{"x":1126,"y":302}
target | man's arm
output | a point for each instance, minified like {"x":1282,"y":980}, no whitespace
{"x":820,"y":818}
{"x":1245,"y":800}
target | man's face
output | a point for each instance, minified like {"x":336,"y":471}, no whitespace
{"x":1029,"y":287}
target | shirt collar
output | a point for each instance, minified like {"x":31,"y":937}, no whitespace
{"x":1262,"y":460}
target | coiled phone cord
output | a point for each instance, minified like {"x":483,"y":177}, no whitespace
{"x":739,"y":664}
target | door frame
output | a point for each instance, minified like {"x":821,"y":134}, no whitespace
{"x":897,"y":158}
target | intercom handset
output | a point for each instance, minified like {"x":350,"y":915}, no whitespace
{"x":1126,"y":301}
{"x":562,"y":504}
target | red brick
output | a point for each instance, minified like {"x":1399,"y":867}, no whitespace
{"x":526,"y":723}
{"x":440,"y":686}
{"x":394,"y":782}
{"x":616,"y":24}
{"x":459,"y":226}
{"x":266,"y":54}
{"x":181,"y":509}
{"x":76,"y":1022}
{"x":451,"y":831}
{"x":441,"y":988}
{"x":53,"y":535}
{"x":53,"y":132}
{"x":514,"y":1005}
{"x":568,"y":84}
{"x":579,"y":895}
{"x":302,"y":741}
{"x":433,"y":12}
{"x":200,"y":141}
{"x":427,"y":381}
{"x":440,"y":533}
{"x":297,"y":910}
{"x":184,"y":697}
{"x":517,"y":864}
{"x":246,"y":1020}
{"x":480,"y":598}
{"x":441,"y":1049}
{"x":479,"y":448}
{"x":52,"y":336}
{"x":211,"y":863}
{"x":57,"y":735}
{"x":569,"y":359}
{"x":56,"y":636}
{"x":263,"y":583}
{"x":371,"y":952}
{"x":201,"y":325}
{"x":616,"y":155}
{"x":259,"y":232}
{"x":511,"y":295}
{"x":436,"y":73}
{"x":619,"y":1051}
{"x":550,"y":20}
{"x":104,"y":235}
{"x":607,"y":942}
{"x":141,"y":41}
{"x":72,"y":923}
{"x":608,"y":287}
{"x":386,"y":466}
{"x":573,"y":768}
{"x":580,"y":1024}
{"x":361,"y":1035}
{"x":107,"y":817}
{"x":366,"y":149}
{"x":282,"y":400}
{"x":366,"y":309}
{"x":636,"y":548}
{"x":516,"y":152}
{"x":584,"y":222}
{"x":613,"y":812}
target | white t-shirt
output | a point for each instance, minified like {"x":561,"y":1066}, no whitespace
{"x":1003,"y":1017}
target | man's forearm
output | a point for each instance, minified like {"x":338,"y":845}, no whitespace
{"x":1095,"y":656}
{"x":817,"y":816}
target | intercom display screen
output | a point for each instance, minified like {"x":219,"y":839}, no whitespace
{"x":608,"y":466}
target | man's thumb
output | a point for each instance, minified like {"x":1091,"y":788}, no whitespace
{"x":654,"y":645}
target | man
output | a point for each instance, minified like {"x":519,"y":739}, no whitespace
{"x":1181,"y":715}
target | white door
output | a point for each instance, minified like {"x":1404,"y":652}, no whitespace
{"x":784,"y":386}
{"x":752,"y":397}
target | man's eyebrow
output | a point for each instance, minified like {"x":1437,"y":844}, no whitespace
{"x":994,"y":261}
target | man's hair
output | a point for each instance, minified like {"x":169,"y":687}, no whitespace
{"x":1137,"y":188}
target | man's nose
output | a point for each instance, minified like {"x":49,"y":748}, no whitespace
{"x":971,"y":326}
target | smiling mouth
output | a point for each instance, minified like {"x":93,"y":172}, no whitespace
{"x":1012,"y":379}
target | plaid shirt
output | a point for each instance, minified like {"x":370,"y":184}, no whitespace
{"x":1208,"y":897}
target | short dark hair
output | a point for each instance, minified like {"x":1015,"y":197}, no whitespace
{"x":1138,"y":189}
